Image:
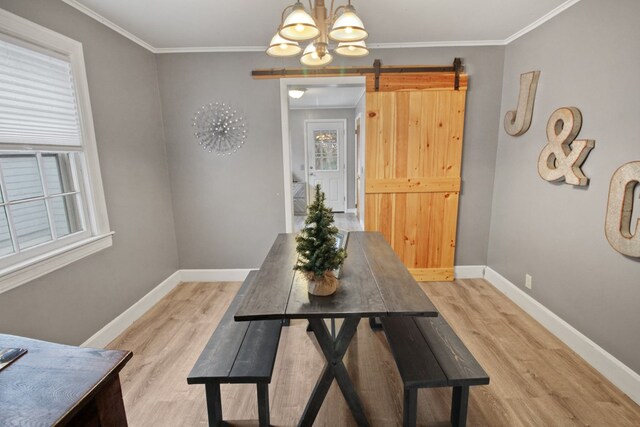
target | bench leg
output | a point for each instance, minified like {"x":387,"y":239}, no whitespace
{"x":263,"y":404}
{"x":459,"y":404}
{"x":214,"y":404}
{"x":410,"y":407}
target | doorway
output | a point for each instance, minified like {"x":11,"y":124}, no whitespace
{"x":326,"y":102}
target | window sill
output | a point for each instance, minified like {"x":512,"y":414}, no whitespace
{"x":19,"y":274}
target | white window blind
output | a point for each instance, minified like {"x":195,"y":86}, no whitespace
{"x":37,"y":98}
{"x":52,"y":206}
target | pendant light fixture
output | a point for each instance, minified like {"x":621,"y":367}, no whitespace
{"x":341,"y":25}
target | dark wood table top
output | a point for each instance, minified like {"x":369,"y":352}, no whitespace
{"x":373,"y":283}
{"x":52,"y":382}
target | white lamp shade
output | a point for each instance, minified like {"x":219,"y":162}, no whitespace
{"x":296,"y":93}
{"x":358,"y":48}
{"x":348,"y":27}
{"x":299,"y":25}
{"x":282,"y":47}
{"x":310,"y":57}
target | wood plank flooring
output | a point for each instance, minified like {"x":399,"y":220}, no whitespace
{"x":535,"y":379}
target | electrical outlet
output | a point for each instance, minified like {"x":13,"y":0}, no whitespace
{"x":527,"y":281}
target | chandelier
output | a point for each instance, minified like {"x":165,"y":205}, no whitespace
{"x":341,"y":25}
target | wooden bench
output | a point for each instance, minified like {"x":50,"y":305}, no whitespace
{"x":238,"y":353}
{"x":430,"y":354}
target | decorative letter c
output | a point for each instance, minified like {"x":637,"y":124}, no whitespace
{"x":619,"y":208}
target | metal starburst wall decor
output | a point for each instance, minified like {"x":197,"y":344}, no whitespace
{"x":220,"y":128}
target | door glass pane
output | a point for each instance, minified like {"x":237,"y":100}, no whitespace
{"x":66,"y":218}
{"x":31,"y":223}
{"x":57,"y":173}
{"x":6,"y":247}
{"x":21,"y":176}
{"x":326,"y":149}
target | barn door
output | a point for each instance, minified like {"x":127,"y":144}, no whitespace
{"x":413,"y":152}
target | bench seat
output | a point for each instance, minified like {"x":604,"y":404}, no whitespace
{"x":428,"y":353}
{"x":238,"y":352}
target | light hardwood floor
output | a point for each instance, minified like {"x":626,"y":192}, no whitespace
{"x":535,"y":379}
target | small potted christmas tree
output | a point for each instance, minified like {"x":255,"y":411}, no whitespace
{"x":318,"y":254}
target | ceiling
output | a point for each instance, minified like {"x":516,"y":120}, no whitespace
{"x":248,"y":25}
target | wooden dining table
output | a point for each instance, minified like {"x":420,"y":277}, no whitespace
{"x":58,"y":385}
{"x":373,"y":283}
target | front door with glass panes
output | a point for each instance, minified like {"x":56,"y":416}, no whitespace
{"x":326,"y":161}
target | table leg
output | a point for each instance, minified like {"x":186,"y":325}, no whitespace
{"x":214,"y":404}
{"x":334,"y":352}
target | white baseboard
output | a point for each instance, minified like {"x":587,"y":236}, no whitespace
{"x":614,"y":370}
{"x":351,"y":211}
{"x":468,"y":271}
{"x":114,"y":328}
{"x":226,"y":275}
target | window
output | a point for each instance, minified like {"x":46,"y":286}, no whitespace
{"x":326,"y":149}
{"x":52,"y":209}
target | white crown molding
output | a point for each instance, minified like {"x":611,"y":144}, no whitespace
{"x":215,"y":49}
{"x":454,"y":43}
{"x":611,"y":368}
{"x":89,"y":12}
{"x":229,"y":49}
{"x":564,"y":6}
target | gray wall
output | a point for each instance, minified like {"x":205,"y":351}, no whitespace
{"x":71,"y":304}
{"x":228,"y":210}
{"x":587,"y":56}
{"x":298,"y":139}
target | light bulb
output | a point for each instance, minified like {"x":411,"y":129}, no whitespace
{"x":299,"y":28}
{"x":348,"y":30}
{"x":283,"y":46}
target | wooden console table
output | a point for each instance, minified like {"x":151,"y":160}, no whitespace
{"x":56,"y":384}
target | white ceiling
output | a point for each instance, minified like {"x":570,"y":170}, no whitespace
{"x":245,"y":25}
{"x":344,"y":96}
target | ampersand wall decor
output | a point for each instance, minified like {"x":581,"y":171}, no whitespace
{"x":619,"y":209}
{"x":517,"y":122}
{"x":563,"y":155}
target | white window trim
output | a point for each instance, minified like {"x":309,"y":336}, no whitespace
{"x":101,"y":234}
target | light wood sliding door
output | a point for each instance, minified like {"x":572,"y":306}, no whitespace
{"x":413,"y":151}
